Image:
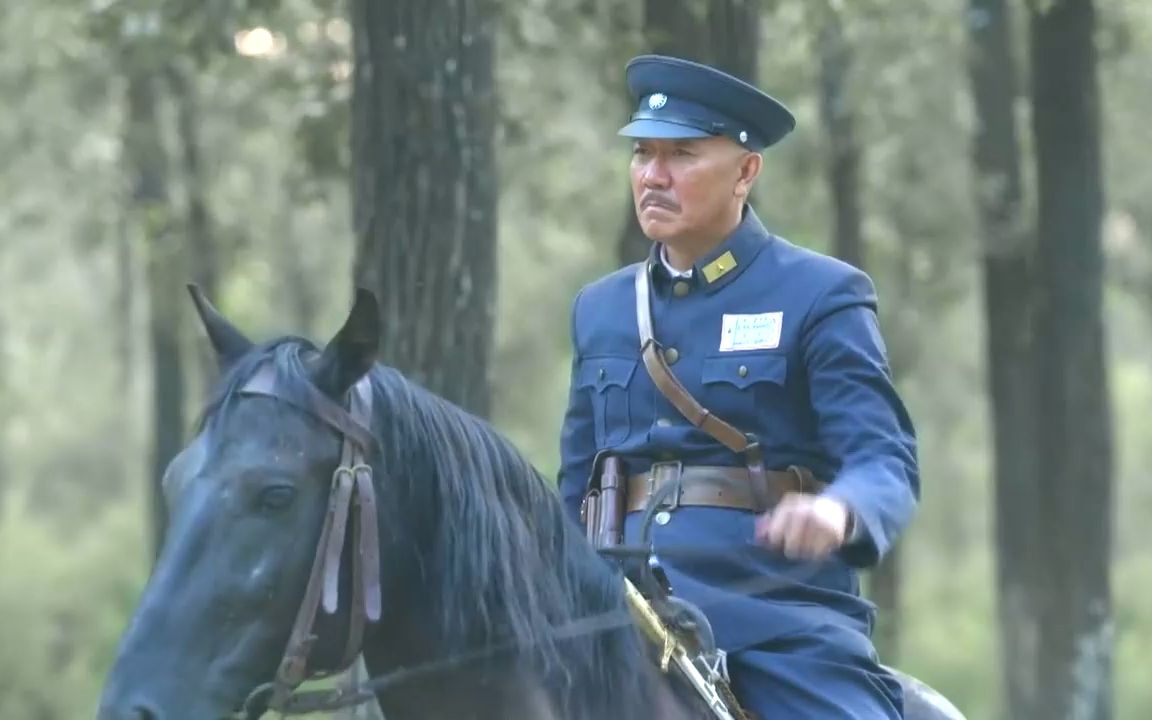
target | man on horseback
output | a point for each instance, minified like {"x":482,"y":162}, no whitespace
{"x":749,"y":397}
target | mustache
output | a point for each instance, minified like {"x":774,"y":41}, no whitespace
{"x":653,"y":199}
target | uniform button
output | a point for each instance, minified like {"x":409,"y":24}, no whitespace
{"x":663,"y":517}
{"x":671,"y":355}
{"x":743,"y":371}
{"x":681,"y":288}
{"x":663,"y":422}
{"x":601,"y":373}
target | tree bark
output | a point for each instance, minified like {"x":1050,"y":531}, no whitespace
{"x":1074,"y":448}
{"x":151,"y":217}
{"x":425,"y":191}
{"x":1008,"y":307}
{"x":721,"y":33}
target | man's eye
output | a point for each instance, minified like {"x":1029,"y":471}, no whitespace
{"x":276,"y":498}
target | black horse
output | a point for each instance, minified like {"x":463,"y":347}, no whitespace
{"x":494,"y":605}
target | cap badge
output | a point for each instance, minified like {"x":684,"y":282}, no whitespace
{"x":657,"y":101}
{"x":743,"y":136}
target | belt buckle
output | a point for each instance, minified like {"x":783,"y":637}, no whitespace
{"x":660,"y":468}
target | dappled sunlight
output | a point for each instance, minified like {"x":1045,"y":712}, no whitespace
{"x":259,"y":42}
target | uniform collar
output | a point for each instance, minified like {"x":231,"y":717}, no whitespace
{"x":662,"y":253}
{"x":727,"y":260}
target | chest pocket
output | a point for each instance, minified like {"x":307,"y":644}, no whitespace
{"x":608,"y":378}
{"x":739,"y":385}
{"x":743,"y":371}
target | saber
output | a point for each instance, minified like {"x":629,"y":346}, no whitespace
{"x":706,"y":680}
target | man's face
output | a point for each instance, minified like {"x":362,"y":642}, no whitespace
{"x":687,"y":188}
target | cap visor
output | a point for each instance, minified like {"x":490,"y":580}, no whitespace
{"x":661,"y":129}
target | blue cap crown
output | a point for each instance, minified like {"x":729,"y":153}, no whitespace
{"x":684,"y":99}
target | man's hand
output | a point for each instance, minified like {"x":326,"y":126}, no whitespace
{"x":803,"y":526}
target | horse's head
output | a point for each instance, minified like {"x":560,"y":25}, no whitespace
{"x":246,"y":500}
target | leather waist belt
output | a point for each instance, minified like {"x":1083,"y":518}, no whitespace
{"x":719,"y":486}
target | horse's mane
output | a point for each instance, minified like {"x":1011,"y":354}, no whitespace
{"x":503,"y":564}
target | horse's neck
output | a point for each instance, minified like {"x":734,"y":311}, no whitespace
{"x":480,"y":690}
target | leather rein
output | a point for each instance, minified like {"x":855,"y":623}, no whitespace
{"x":351,"y":502}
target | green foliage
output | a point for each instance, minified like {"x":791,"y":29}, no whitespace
{"x":63,"y":600}
{"x":274,"y":128}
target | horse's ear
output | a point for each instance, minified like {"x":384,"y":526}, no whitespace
{"x":352,"y":351}
{"x":230,"y":344}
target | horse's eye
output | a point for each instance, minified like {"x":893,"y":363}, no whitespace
{"x":276,"y":498}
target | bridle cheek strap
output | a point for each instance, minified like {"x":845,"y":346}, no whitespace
{"x":351,"y":499}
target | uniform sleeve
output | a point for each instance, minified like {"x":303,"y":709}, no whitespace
{"x":861,"y":420}
{"x":577,"y":439}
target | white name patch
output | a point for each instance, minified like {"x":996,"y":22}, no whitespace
{"x":751,"y":332}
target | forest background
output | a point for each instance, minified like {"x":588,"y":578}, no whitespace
{"x":988,"y":162}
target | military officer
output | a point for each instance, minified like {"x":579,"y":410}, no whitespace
{"x":779,"y":342}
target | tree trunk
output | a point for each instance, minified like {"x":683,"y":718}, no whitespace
{"x":425,"y":191}
{"x":1008,"y":313}
{"x":721,"y":33}
{"x":151,"y":218}
{"x":202,"y":256}
{"x":299,"y":288}
{"x":3,"y":417}
{"x":1074,"y":448}
{"x":838,"y":116}
{"x":125,"y":303}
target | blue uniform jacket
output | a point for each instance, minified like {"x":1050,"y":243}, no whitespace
{"x":808,"y":376}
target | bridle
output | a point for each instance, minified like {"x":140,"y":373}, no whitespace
{"x":351,"y":498}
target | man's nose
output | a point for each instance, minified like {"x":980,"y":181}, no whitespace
{"x":656,"y":174}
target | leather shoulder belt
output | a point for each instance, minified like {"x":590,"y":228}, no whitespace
{"x":763,"y":491}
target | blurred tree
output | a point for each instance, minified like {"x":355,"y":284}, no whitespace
{"x":839,"y":119}
{"x":302,"y":300}
{"x":721,"y":33}
{"x":160,"y":50}
{"x":3,"y":398}
{"x":202,"y":257}
{"x":425,"y":191}
{"x":1074,"y":427}
{"x":152,"y":221}
{"x":1006,"y":250}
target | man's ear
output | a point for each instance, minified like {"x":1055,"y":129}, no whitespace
{"x":750,"y":165}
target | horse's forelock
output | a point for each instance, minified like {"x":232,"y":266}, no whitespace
{"x":287,"y":355}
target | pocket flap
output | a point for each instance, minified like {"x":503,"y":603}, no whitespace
{"x":605,"y":371}
{"x":744,"y":370}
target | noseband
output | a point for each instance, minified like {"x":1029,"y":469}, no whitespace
{"x":351,"y":497}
